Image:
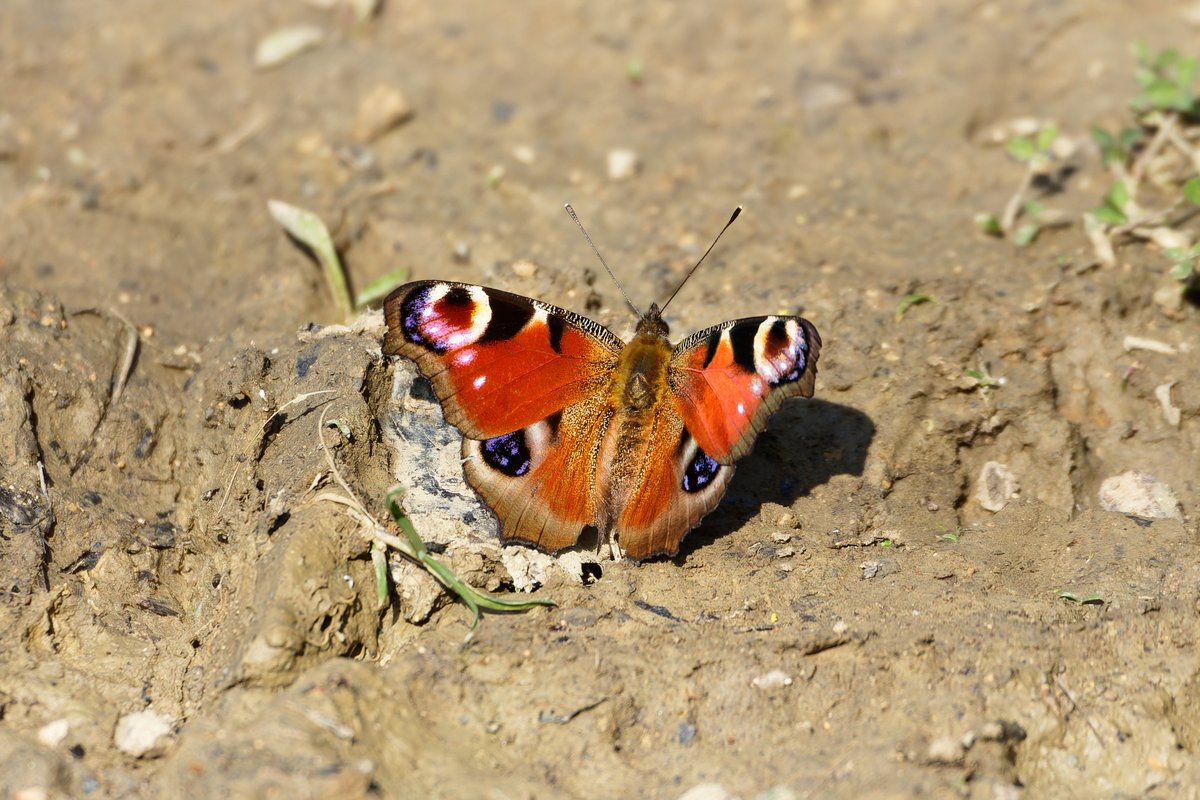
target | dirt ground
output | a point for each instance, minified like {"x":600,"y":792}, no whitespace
{"x":184,"y":612}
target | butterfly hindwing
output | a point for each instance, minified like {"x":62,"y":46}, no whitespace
{"x":729,"y":379}
{"x":673,"y":484}
{"x":499,"y":362}
{"x":540,"y":480}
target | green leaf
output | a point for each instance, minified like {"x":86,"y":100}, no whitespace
{"x":635,"y":70}
{"x":471,"y":597}
{"x":1025,"y":234}
{"x":1102,"y":138}
{"x":886,"y":543}
{"x":1034,"y":208}
{"x":1182,"y":270}
{"x":380,"y":287}
{"x":1109,"y":215}
{"x":308,"y":229}
{"x":1118,"y":196}
{"x":379,"y":562}
{"x":1046,"y":137}
{"x":989,"y":224}
{"x":1021,"y":148}
{"x":911,"y":300}
{"x":1191,"y":190}
{"x":1177,"y":253}
{"x":342,"y":427}
{"x":1087,"y":599}
{"x":950,"y":537}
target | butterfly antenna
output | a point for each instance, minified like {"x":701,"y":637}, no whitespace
{"x":736,"y":211}
{"x":583,"y":230}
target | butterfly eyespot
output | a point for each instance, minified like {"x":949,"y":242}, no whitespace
{"x":507,"y":454}
{"x":700,"y":472}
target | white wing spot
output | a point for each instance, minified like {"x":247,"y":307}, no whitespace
{"x":480,"y":381}
{"x":741,"y":409}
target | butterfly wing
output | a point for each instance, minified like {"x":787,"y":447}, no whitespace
{"x":724,"y":383}
{"x":672,"y":484}
{"x":525,"y":382}
{"x":498,"y":362}
{"x":730,"y":378}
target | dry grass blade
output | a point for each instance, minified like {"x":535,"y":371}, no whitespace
{"x":308,"y":229}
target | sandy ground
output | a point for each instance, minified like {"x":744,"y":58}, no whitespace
{"x":184,"y":614}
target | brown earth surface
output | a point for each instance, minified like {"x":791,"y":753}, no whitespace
{"x":850,"y":622}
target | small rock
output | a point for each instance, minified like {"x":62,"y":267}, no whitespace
{"x":285,"y":44}
{"x":785,"y":552}
{"x":52,"y":733}
{"x":383,"y":109}
{"x":871,"y":569}
{"x":707,"y":791}
{"x":142,"y":733}
{"x":944,"y":750}
{"x":524,"y":268}
{"x":622,"y":164}
{"x":779,"y":537}
{"x":840,"y":627}
{"x":462,"y":252}
{"x":786,"y":520}
{"x":1170,"y":410}
{"x":995,"y":487}
{"x":524,"y":153}
{"x":775,"y":679}
{"x":1139,"y":495}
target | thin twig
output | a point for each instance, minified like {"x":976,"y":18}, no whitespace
{"x":131,"y":348}
{"x":1013,"y":207}
{"x":1161,"y":137}
{"x":1075,"y":707}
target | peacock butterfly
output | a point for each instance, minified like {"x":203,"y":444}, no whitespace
{"x":566,"y":426}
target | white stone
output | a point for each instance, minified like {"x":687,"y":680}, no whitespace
{"x":707,"y":791}
{"x":622,"y":164}
{"x":775,"y":679}
{"x":995,"y":487}
{"x":142,"y":732}
{"x":1139,"y":495}
{"x":52,"y":733}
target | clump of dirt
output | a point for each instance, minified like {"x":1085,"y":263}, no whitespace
{"x":912,"y":585}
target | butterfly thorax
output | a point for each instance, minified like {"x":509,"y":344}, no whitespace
{"x":641,"y":376}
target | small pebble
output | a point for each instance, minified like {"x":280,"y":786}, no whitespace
{"x":1139,"y":495}
{"x":995,"y":487}
{"x":524,"y":268}
{"x":840,"y":627}
{"x":383,"y":109}
{"x":1170,"y":410}
{"x":871,"y":569}
{"x":524,"y":154}
{"x":786,"y":520}
{"x":944,"y":750}
{"x":285,"y":44}
{"x":779,"y":537}
{"x":52,"y":733}
{"x":775,"y":679}
{"x":462,"y":252}
{"x":622,"y":164}
{"x":707,"y":791}
{"x":142,"y":733}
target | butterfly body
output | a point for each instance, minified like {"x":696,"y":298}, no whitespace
{"x":566,"y":426}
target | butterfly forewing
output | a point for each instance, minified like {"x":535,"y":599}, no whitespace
{"x":730,"y":378}
{"x":498,"y":362}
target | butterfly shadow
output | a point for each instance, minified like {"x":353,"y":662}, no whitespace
{"x":805,"y":445}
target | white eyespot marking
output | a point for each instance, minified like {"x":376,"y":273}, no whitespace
{"x":479,"y":382}
{"x":757,"y":386}
{"x":445,"y":328}
{"x":774,"y":367}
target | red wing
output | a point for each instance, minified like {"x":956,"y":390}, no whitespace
{"x":540,"y":480}
{"x":499,"y":362}
{"x":667,"y":486}
{"x":730,"y":378}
